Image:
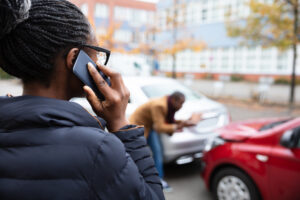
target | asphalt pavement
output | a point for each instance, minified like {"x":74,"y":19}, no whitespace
{"x":186,"y":182}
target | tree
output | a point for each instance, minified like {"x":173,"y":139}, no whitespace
{"x":272,"y":24}
{"x":107,"y":39}
{"x":179,"y":44}
{"x":172,"y":19}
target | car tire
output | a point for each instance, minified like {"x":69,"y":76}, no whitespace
{"x":232,"y":183}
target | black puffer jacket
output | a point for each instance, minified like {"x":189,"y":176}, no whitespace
{"x":53,"y":149}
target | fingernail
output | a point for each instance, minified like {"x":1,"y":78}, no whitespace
{"x":90,"y":65}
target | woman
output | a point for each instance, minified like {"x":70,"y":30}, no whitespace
{"x":51,"y":148}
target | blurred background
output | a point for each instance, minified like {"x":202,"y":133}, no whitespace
{"x":242,"y":54}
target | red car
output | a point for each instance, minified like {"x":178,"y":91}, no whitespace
{"x":252,"y":160}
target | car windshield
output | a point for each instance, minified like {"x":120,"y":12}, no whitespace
{"x":159,"y":90}
{"x":273,"y":124}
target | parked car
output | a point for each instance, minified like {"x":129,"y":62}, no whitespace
{"x":184,"y":146}
{"x":252,"y":160}
{"x":135,"y":65}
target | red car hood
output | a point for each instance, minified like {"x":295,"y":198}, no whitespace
{"x":240,"y":131}
{"x":237,"y":132}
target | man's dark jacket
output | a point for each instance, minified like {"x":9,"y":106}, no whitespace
{"x":54,"y":149}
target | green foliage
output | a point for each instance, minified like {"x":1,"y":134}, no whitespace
{"x":208,"y":77}
{"x":4,"y":75}
{"x":236,"y":78}
{"x":285,"y":81}
{"x":268,"y":24}
{"x":282,"y":81}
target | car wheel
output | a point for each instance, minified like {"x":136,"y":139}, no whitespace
{"x":233,"y":184}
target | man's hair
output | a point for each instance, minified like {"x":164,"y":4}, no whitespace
{"x":33,"y":32}
{"x":177,"y":95}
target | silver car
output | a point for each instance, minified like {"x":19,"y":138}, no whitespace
{"x":182,"y":147}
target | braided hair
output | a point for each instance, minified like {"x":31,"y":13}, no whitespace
{"x":34,"y":32}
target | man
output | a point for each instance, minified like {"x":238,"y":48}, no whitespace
{"x":157,"y":116}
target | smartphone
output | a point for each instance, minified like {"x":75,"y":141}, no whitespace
{"x":81,"y":71}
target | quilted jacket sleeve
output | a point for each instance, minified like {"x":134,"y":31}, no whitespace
{"x":124,"y":168}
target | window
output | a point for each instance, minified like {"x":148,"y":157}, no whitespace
{"x":140,"y":17}
{"x":123,"y":13}
{"x":225,"y":58}
{"x":189,"y":14}
{"x":238,"y":58}
{"x":298,"y":143}
{"x":101,"y":10}
{"x":85,"y":9}
{"x":282,"y":61}
{"x":150,"y":17}
{"x":123,"y":36}
{"x":215,"y":13}
{"x":204,"y":15}
{"x":251,"y":58}
{"x":295,"y":138}
{"x":135,"y":37}
{"x":143,"y":37}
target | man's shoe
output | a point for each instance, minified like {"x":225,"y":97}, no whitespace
{"x":166,"y":186}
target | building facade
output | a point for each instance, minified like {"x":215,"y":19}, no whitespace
{"x":205,"y":20}
{"x":124,"y":22}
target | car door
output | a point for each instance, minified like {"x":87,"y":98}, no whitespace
{"x":284,"y":170}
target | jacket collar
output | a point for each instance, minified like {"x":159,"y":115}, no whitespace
{"x":39,"y":112}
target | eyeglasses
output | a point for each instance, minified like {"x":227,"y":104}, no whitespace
{"x":102,"y":54}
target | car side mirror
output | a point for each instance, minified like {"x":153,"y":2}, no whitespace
{"x":290,"y":138}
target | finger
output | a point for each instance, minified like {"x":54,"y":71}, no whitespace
{"x":99,"y":81}
{"x":115,"y":77}
{"x":124,"y":92}
{"x":127,"y":92}
{"x":92,"y":99}
{"x":107,"y":71}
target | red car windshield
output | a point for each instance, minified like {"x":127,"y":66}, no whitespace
{"x":274,"y":124}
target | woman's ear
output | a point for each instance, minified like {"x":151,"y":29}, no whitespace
{"x":71,"y":58}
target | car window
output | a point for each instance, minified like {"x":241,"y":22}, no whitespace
{"x":159,"y":90}
{"x":297,"y":138}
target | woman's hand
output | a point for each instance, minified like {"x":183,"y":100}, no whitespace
{"x":116,"y":97}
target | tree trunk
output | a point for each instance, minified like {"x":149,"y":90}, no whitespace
{"x":174,"y":66}
{"x":175,"y":15}
{"x":293,"y":77}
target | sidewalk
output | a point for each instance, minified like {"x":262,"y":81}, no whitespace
{"x":275,"y":94}
{"x":271,"y":94}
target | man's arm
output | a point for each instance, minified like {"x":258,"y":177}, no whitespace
{"x":159,"y":121}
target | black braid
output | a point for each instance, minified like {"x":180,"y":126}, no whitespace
{"x":29,"y":49}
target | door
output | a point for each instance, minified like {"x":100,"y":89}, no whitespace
{"x":284,"y":168}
